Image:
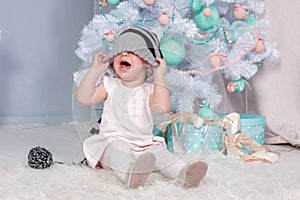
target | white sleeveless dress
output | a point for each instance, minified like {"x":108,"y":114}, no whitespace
{"x":126,"y":116}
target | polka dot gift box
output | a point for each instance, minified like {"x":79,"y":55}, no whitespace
{"x":195,"y":140}
{"x":254,"y":126}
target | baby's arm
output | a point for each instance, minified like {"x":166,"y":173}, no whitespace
{"x":160,"y":99}
{"x":88,"y":93}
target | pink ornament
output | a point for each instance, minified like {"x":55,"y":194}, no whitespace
{"x":163,"y":19}
{"x":110,"y":36}
{"x":216,"y":60}
{"x":240,"y":13}
{"x":103,"y":3}
{"x":149,"y":2}
{"x":260,"y":46}
{"x":231,"y":87}
{"x":207,"y":12}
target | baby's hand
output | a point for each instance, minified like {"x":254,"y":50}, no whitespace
{"x":161,"y":70}
{"x":98,"y":63}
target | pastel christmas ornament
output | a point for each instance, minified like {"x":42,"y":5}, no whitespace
{"x":195,"y":5}
{"x":173,"y":51}
{"x":205,"y":23}
{"x":260,"y":46}
{"x":207,"y":12}
{"x":163,"y":19}
{"x":239,"y":85}
{"x":216,"y":60}
{"x":251,"y":19}
{"x":113,"y":2}
{"x":231,"y":87}
{"x":206,"y":112}
{"x":149,"y":2}
{"x":240,"y":13}
{"x":110,"y":36}
{"x":103,"y":3}
{"x":104,"y":42}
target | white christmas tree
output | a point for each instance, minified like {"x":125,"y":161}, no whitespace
{"x":199,"y":40}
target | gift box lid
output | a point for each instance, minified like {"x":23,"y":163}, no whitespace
{"x":252,"y":120}
{"x":249,"y":119}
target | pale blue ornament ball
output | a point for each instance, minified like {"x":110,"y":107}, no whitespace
{"x":205,"y":23}
{"x":195,"y":5}
{"x":173,"y":51}
{"x":113,"y":2}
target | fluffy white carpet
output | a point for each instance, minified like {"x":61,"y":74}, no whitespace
{"x":227,"y":178}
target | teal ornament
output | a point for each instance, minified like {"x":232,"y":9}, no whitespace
{"x":240,"y":85}
{"x":206,"y":112}
{"x":113,"y":2}
{"x":206,"y":22}
{"x":195,"y":5}
{"x":237,"y":29}
{"x":104,"y":42}
{"x":251,"y":19}
{"x":173,"y":51}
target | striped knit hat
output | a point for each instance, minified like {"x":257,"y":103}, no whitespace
{"x":139,"y":41}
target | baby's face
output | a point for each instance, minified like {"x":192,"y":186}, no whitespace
{"x":130,"y":67}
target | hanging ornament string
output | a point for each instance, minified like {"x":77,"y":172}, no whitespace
{"x":242,"y":54}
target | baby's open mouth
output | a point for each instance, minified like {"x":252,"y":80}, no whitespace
{"x":125,"y":65}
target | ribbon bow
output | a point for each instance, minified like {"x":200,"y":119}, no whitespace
{"x":235,"y":140}
{"x":182,"y":117}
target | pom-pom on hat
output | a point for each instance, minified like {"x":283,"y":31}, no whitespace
{"x":141,"y":42}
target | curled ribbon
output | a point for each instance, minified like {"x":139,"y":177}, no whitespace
{"x":182,"y":117}
{"x":235,"y":140}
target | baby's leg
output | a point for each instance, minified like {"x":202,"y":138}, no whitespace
{"x":119,"y":157}
{"x":167,"y":163}
{"x":172,"y":166}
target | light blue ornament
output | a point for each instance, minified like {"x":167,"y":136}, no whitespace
{"x":195,"y":5}
{"x":251,"y":19}
{"x":237,"y":29}
{"x":113,"y":2}
{"x":240,"y":85}
{"x":173,"y":51}
{"x":206,"y":112}
{"x":206,"y":22}
{"x":104,"y":42}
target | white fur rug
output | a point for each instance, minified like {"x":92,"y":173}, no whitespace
{"x":227,"y":178}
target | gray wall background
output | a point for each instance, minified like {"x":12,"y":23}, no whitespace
{"x":37,"y":59}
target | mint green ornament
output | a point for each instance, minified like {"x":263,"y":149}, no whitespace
{"x":206,"y":112}
{"x":113,"y":2}
{"x":195,"y":5}
{"x":251,"y":19}
{"x":206,"y":22}
{"x":104,"y":42}
{"x":173,"y":51}
{"x":240,"y":85}
{"x":237,"y":29}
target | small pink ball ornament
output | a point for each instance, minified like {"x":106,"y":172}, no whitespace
{"x":163,"y":19}
{"x":103,"y":3}
{"x":216,"y":60}
{"x":149,"y":2}
{"x":240,"y":13}
{"x":231,"y":87}
{"x":260,"y":46}
{"x":207,"y":12}
{"x":110,"y":36}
